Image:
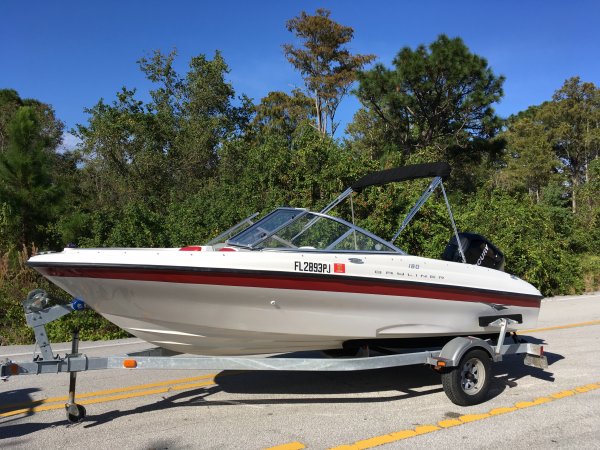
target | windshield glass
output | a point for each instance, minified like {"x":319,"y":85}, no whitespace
{"x":265,"y":226}
{"x":299,"y":229}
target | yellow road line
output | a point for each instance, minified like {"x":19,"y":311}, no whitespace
{"x":110,"y":398}
{"x":424,"y":429}
{"x":108,"y":391}
{"x":561,"y":327}
{"x":90,"y":401}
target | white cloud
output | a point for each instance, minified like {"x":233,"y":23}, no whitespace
{"x":69,"y":143}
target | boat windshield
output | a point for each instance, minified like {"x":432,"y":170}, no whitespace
{"x":294,"y":228}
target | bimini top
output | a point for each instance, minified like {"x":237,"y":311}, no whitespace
{"x":427,"y":170}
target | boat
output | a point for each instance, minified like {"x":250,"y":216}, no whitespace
{"x":298,"y":280}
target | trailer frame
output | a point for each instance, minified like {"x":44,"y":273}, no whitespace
{"x":464,"y":362}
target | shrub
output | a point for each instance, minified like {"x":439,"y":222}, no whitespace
{"x":529,"y":236}
{"x":16,"y":280}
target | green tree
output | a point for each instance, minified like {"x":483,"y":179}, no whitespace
{"x":122,"y":150}
{"x":368,"y":135}
{"x":588,"y":212}
{"x":283,"y":113}
{"x":196,"y":112}
{"x":530,"y":235}
{"x":142,"y":156}
{"x":271,"y":170}
{"x":28,"y":194}
{"x":10,"y":102}
{"x":50,"y":127}
{"x":531,"y":161}
{"x":572,"y":120}
{"x":328,"y":67}
{"x":437,"y":98}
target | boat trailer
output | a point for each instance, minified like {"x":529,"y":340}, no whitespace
{"x":464,"y":363}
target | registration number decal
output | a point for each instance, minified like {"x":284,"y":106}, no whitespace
{"x":305,"y":266}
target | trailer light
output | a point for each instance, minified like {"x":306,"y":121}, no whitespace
{"x":130,"y":363}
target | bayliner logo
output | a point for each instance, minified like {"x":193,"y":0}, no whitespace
{"x":339,"y":268}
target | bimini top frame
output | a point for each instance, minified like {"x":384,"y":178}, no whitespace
{"x":439,"y":171}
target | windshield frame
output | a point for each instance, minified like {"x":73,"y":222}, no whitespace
{"x":389,"y":247}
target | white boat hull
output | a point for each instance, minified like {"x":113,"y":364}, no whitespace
{"x":237,"y":303}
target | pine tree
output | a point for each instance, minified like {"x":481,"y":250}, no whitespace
{"x":27,"y":193}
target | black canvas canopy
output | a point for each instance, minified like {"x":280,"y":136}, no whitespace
{"x":427,"y":170}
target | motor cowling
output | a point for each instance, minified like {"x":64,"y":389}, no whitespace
{"x":478,"y":251}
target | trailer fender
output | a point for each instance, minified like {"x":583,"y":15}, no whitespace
{"x":454,"y":350}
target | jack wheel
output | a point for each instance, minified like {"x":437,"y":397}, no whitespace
{"x":75,"y":412}
{"x":468,"y":383}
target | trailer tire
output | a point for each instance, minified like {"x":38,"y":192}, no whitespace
{"x":468,"y":383}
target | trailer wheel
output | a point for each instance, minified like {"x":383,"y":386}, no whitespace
{"x":469,"y":382}
{"x":75,"y":412}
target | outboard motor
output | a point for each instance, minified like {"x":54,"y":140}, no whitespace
{"x":478,"y":250}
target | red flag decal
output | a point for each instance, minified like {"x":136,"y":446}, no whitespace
{"x":339,"y":268}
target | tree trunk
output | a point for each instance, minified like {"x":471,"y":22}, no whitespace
{"x":318,"y":111}
{"x":575,"y":184}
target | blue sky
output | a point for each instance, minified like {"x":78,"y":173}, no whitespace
{"x":72,"y":53}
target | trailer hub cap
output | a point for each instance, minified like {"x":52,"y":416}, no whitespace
{"x":472,"y":376}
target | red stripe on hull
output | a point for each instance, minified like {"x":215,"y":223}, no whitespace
{"x":275,"y":280}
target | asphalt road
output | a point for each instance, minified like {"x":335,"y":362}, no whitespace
{"x":391,"y":408}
